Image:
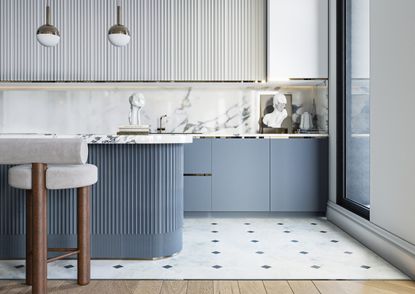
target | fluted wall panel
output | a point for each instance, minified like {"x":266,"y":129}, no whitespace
{"x":61,"y":209}
{"x":136,"y":206}
{"x":172,"y":40}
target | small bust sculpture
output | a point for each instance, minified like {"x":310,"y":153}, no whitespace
{"x":137,"y":102}
{"x":275,"y":118}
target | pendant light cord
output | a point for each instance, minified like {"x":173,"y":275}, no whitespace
{"x":119,"y":20}
{"x":47,"y":12}
{"x":118,"y":15}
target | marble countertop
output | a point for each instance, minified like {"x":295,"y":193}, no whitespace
{"x":261,"y":136}
{"x":161,"y":138}
{"x":115,"y":139}
{"x":139,"y":139}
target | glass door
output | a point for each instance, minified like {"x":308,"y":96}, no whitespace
{"x":353,"y":113}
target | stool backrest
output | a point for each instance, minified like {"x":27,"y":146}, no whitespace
{"x":43,"y":150}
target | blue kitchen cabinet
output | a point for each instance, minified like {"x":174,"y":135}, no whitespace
{"x":299,"y":175}
{"x":240,"y":174}
{"x":197,"y":193}
{"x":198,"y":157}
{"x":197,"y":175}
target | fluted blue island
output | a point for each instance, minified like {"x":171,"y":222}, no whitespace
{"x":137,"y":204}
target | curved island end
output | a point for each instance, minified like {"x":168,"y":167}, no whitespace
{"x":138,"y":200}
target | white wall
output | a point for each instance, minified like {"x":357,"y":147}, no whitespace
{"x":392,"y":116}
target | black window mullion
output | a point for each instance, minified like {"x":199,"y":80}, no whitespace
{"x":344,"y":82}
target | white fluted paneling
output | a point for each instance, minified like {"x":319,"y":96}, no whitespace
{"x":179,"y":40}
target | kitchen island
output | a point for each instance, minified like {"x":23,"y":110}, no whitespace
{"x":136,"y":206}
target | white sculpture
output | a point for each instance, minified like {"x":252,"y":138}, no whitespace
{"x":137,"y":102}
{"x":275,"y":118}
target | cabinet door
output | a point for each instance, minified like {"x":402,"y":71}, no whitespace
{"x":297,"y":39}
{"x":198,"y":157}
{"x":299,"y":175}
{"x":197,"y":180}
{"x":197,"y":193}
{"x":240,"y":175}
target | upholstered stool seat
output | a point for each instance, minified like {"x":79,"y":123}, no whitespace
{"x":57,"y":176}
{"x":43,"y":164}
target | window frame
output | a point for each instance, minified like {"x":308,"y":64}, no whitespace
{"x":342,"y":83}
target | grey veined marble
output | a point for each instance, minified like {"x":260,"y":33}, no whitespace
{"x":189,"y":110}
{"x":233,"y":116}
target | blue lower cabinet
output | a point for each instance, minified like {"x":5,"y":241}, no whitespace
{"x":281,"y":175}
{"x":198,"y":156}
{"x":197,"y":193}
{"x":197,"y":179}
{"x":299,"y":175}
{"x":240,"y":175}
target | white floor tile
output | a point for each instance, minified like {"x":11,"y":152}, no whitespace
{"x":247,"y":248}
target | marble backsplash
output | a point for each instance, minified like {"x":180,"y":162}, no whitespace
{"x":189,"y":109}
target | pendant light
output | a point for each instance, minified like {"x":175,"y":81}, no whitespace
{"x":48,"y":35}
{"x":118,"y":34}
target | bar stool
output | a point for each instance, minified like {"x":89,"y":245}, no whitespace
{"x":50,"y":163}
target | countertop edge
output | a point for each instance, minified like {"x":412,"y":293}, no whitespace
{"x":157,"y":139}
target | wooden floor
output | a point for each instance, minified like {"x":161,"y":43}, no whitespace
{"x":218,"y":287}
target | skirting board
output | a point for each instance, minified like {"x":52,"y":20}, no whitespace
{"x":398,"y":252}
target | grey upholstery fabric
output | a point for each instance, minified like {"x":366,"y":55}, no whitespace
{"x":57,"y":176}
{"x":43,"y":150}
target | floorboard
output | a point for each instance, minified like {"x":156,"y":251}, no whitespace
{"x":174,"y":287}
{"x":303,"y":287}
{"x":226,"y":287}
{"x":146,"y":287}
{"x":200,"y":287}
{"x":277,"y":287}
{"x":248,"y":287}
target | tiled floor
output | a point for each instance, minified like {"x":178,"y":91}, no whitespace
{"x":244,"y":248}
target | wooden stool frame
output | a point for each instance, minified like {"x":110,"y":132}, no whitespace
{"x":36,"y":233}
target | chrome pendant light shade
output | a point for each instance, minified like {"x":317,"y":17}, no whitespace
{"x":118,"y":34}
{"x":48,"y":35}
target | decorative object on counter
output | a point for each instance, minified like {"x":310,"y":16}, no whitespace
{"x":133,"y":130}
{"x":161,"y":128}
{"x":275,"y":111}
{"x":47,"y":34}
{"x":314,"y":114}
{"x":137,"y":102}
{"x":306,"y":122}
{"x":296,"y":117}
{"x":118,"y":34}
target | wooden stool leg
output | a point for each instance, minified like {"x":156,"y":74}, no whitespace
{"x":39,"y":229}
{"x":29,"y":240}
{"x":84,"y":231}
